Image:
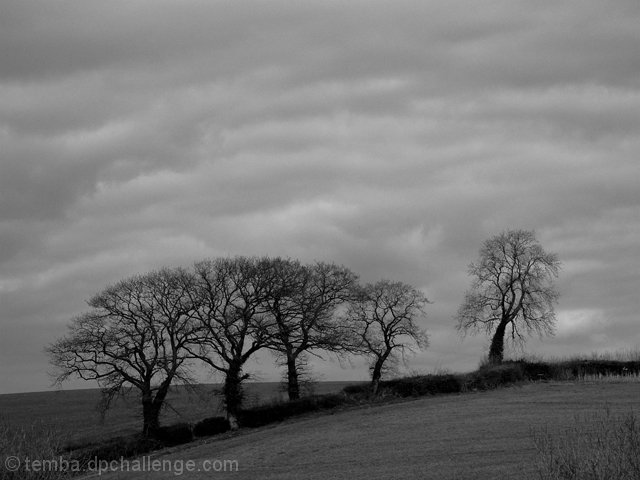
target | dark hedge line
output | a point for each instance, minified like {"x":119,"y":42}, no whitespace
{"x":276,"y":412}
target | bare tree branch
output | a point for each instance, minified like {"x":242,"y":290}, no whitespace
{"x":512,"y":287}
{"x":382,"y":320}
{"x":302,"y":302}
{"x":135,"y":336}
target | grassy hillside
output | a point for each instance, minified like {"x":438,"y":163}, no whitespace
{"x":482,"y":435}
{"x":74,"y":411}
{"x":496,"y":422}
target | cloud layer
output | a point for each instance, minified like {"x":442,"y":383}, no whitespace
{"x":393,"y":137}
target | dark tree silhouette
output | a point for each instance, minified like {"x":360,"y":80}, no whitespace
{"x":513,"y":291}
{"x":383,"y":324}
{"x":229,"y":295}
{"x":134,"y":338}
{"x":302,"y":302}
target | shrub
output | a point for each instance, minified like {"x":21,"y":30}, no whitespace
{"x":598,"y":447}
{"x":276,"y":412}
{"x":133,"y":445}
{"x":422,"y":385}
{"x":492,"y":376}
{"x":357,"y":389}
{"x":329,"y":401}
{"x":579,"y":368}
{"x":582,"y":368}
{"x":175,"y":434}
{"x":116,"y":448}
{"x":537,"y":370}
{"x":211,"y":426}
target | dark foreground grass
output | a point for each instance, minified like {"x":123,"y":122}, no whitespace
{"x":31,"y":441}
{"x":488,"y":377}
{"x":74,"y":413}
{"x":66,"y":425}
{"x":600,"y":445}
{"x":478,"y":435}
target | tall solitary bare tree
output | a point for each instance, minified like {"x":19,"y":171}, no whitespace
{"x":134,"y":338}
{"x":383,"y":322}
{"x":513,"y":291}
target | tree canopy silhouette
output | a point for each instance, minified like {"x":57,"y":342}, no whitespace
{"x":382,"y":319}
{"x":513,"y":291}
{"x":134,"y":338}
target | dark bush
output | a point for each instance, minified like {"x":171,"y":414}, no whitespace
{"x":211,"y":426}
{"x":578,"y":368}
{"x":422,"y":385}
{"x":330,"y":400}
{"x":115,"y":448}
{"x":492,"y":376}
{"x":276,"y":412}
{"x":357,"y":389}
{"x":132,"y":446}
{"x":175,"y":434}
{"x":581,"y":368}
{"x":265,"y":414}
{"x":536,"y":370}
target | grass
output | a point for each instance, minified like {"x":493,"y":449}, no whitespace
{"x":597,"y":446}
{"x":30,"y":441}
{"x":478,"y":435}
{"x":66,"y":424}
{"x":47,"y":425}
{"x":74,"y":414}
{"x":84,"y":441}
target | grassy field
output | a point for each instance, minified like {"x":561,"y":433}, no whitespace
{"x":74,"y":413}
{"x":482,"y":435}
{"x":503,"y":433}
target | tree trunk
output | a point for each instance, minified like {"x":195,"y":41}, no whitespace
{"x":376,"y":374}
{"x":233,"y":393}
{"x":150,"y":416}
{"x":293,"y":385}
{"x":152,"y":405}
{"x":496,"y":350}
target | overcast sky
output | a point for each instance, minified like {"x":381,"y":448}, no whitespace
{"x":392,"y":137}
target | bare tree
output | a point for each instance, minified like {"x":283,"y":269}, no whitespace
{"x":134,"y":338}
{"x":383,"y":323}
{"x":229,"y":296}
{"x":302,"y":302}
{"x":512,"y":290}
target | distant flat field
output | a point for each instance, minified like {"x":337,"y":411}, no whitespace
{"x":485,"y":435}
{"x":74,"y":412}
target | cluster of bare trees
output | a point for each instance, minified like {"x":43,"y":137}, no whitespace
{"x":145,"y":332}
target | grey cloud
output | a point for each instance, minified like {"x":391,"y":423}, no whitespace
{"x":391,"y":137}
{"x":312,"y":41}
{"x":90,"y":36}
{"x":29,"y":187}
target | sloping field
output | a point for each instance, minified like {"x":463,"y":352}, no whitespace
{"x":74,"y":412}
{"x":483,"y":435}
